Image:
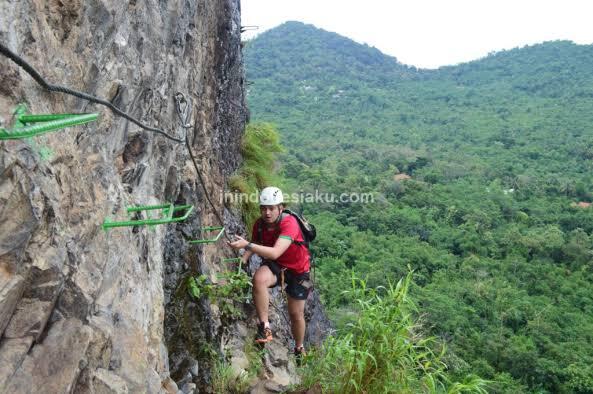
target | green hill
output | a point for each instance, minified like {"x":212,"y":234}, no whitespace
{"x":290,"y":53}
{"x":499,"y":151}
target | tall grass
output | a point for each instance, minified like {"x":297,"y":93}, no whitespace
{"x":259,"y":148}
{"x":226,"y":380}
{"x":383,"y":351}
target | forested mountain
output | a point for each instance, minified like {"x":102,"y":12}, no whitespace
{"x":481,"y":175}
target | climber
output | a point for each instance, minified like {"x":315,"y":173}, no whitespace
{"x":278,"y":240}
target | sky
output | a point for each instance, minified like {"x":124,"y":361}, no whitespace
{"x":432,"y":33}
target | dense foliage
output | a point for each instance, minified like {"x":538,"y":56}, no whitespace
{"x":382,"y":351}
{"x":499,"y":153}
{"x":259,"y":148}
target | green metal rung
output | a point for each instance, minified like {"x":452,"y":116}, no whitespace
{"x":167,"y":209}
{"x":20,"y":110}
{"x":167,"y":215}
{"x":211,"y":240}
{"x":232,"y":259}
{"x":45,"y":123}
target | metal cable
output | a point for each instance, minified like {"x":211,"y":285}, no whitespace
{"x":182,"y":106}
{"x":183,"y":111}
{"x":62,"y":89}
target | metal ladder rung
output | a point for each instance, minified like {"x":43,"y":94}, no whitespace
{"x":209,"y":240}
{"x":45,"y":123}
{"x":233,"y":259}
{"x":168,"y":211}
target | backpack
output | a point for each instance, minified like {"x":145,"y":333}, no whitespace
{"x":307,"y":229}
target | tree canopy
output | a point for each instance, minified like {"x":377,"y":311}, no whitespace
{"x":497,"y":155}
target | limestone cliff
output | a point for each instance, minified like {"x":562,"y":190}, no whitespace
{"x":83,"y":310}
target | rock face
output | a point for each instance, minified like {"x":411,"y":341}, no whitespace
{"x":84,"y":310}
{"x":81,"y":309}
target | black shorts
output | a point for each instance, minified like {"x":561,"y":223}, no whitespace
{"x":298,"y":286}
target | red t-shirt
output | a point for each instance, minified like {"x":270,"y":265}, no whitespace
{"x":296,"y":257}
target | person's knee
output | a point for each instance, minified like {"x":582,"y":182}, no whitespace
{"x":261,"y":279}
{"x":296,"y":315}
{"x":258,"y":281}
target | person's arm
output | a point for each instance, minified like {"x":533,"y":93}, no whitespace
{"x":266,"y":252}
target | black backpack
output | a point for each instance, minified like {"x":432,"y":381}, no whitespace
{"x":307,"y":229}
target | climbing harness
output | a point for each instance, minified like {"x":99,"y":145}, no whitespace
{"x":282,"y":271}
{"x":167,"y":215}
{"x":26,"y":126}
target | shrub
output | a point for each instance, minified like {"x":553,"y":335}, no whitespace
{"x":382,"y":350}
{"x":259,"y":149}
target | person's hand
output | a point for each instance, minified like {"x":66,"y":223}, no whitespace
{"x":238,"y":243}
{"x":244,"y":260}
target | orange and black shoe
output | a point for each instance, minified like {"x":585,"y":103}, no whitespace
{"x":264,"y":334}
{"x":300,"y":354}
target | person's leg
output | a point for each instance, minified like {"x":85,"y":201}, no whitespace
{"x":296,"y":310}
{"x":262,"y":280}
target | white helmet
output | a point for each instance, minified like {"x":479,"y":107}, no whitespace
{"x":271,"y":196}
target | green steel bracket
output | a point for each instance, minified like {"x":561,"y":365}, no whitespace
{"x":167,"y":215}
{"x":233,"y":259}
{"x":44,"y":123}
{"x":211,"y":240}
